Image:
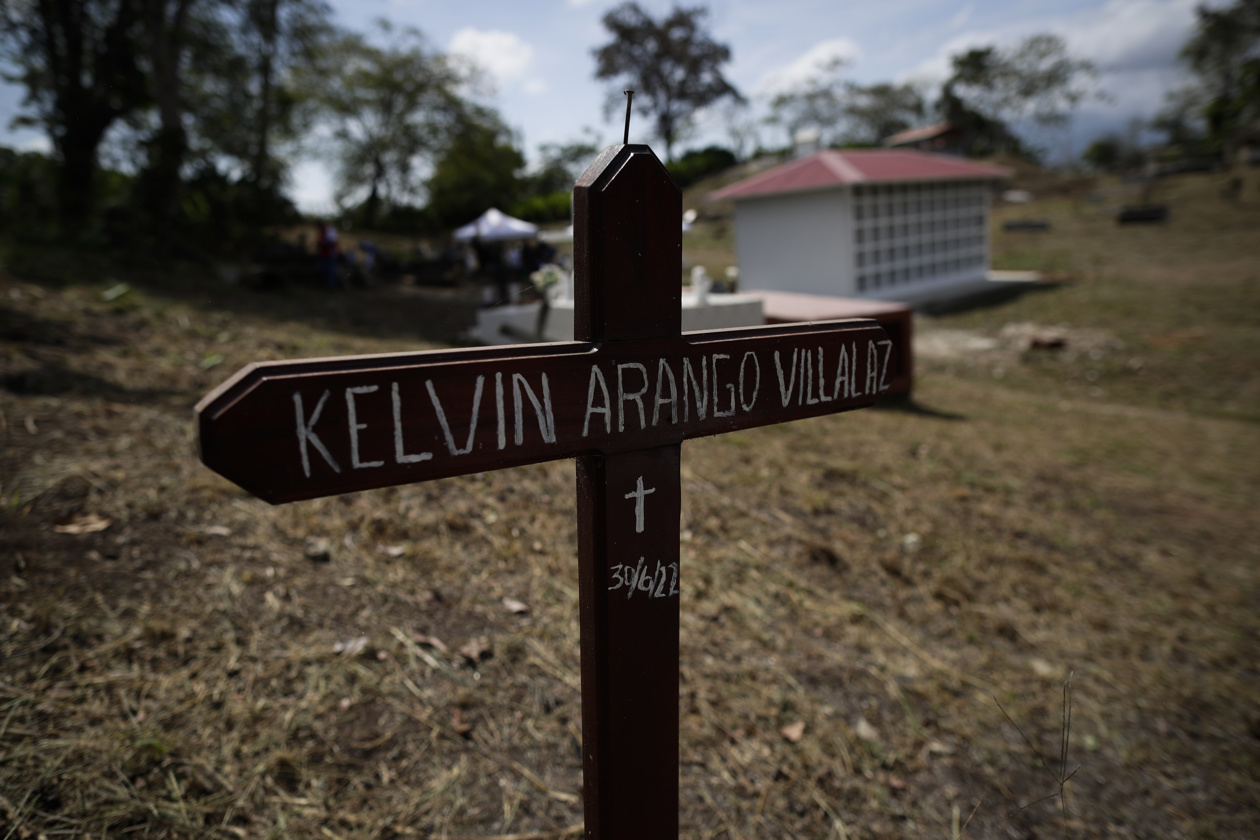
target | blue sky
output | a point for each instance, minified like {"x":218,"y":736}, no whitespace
{"x":538,"y":55}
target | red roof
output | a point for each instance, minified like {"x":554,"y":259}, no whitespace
{"x":923,"y":132}
{"x":832,"y":168}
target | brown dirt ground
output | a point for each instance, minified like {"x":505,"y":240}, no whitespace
{"x":885,"y":578}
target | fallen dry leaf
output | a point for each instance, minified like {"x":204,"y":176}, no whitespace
{"x":794,"y":732}
{"x":83,"y":523}
{"x":514,"y":606}
{"x":431,"y":641}
{"x":476,"y":650}
{"x":865,"y":731}
{"x":351,"y":647}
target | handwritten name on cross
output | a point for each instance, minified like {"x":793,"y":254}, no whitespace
{"x":620,"y":399}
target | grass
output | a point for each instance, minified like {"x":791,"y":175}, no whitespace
{"x":879,"y":577}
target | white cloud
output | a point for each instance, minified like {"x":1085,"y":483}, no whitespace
{"x":808,"y":65}
{"x":1132,"y":43}
{"x":962,"y":16}
{"x":1131,"y":34}
{"x":504,"y":55}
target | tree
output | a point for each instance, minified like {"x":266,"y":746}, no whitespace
{"x":165,"y":28}
{"x":672,"y":65}
{"x":1224,"y":53}
{"x":845,"y":112}
{"x":248,"y":102}
{"x":392,"y":108}
{"x":876,"y":112}
{"x":477,"y":171}
{"x":561,"y":164}
{"x":1036,"y":80}
{"x":79,"y":62}
{"x":1111,"y":152}
{"x":816,"y":102}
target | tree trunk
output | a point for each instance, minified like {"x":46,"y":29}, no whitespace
{"x":94,"y":80}
{"x":267,"y":28}
{"x":76,"y":178}
{"x":160,"y":183}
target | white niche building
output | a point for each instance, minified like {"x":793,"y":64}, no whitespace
{"x":872,"y":223}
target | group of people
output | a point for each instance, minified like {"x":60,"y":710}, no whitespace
{"x":328,"y":253}
{"x":508,"y":263}
{"x":503,"y":264}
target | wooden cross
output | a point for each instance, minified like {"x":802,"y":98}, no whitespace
{"x":620,"y":399}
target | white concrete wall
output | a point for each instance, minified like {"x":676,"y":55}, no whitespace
{"x":905,"y":241}
{"x":801,"y":242}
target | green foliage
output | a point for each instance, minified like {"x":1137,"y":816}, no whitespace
{"x":477,"y":171}
{"x":876,"y":112}
{"x":561,"y":165}
{"x":695,"y":165}
{"x":1224,"y":54}
{"x":28,"y":200}
{"x":245,"y":78}
{"x":1111,"y":153}
{"x":78,"y":61}
{"x":816,"y":102}
{"x":672,"y":65}
{"x":989,"y":90}
{"x":847,"y":114}
{"x":392,"y":108}
{"x":552,"y":207}
{"x":197,"y":83}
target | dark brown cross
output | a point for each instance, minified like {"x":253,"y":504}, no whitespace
{"x":621,"y":399}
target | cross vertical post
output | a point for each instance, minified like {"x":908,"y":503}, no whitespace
{"x":627,"y":265}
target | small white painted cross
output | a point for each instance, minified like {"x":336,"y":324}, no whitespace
{"x":637,"y":494}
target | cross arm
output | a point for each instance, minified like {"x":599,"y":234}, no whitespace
{"x":298,"y":430}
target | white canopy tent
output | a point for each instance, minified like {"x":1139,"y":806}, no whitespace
{"x":496,"y":226}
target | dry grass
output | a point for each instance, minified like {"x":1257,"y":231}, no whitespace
{"x":879,"y":577}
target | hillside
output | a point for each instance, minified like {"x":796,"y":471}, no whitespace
{"x":880,"y":610}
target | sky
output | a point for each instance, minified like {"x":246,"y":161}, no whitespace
{"x":538,"y":56}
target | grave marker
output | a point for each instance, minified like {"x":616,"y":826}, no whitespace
{"x":621,"y":400}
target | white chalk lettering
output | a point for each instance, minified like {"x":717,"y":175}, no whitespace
{"x":355,"y":425}
{"x":546,"y":420}
{"x":883,"y":375}
{"x":785,"y":388}
{"x":747,"y":404}
{"x":400,"y":454}
{"x":842,"y":375}
{"x":498,"y":405}
{"x":698,"y":389}
{"x":729,"y":386}
{"x":853,"y":380}
{"x":636,"y":397}
{"x":822,"y":392}
{"x":638,"y":579}
{"x":597,"y":377}
{"x":306,"y":432}
{"x":662,"y":366}
{"x":446,"y":427}
{"x":807,"y":379}
{"x":872,"y":368}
